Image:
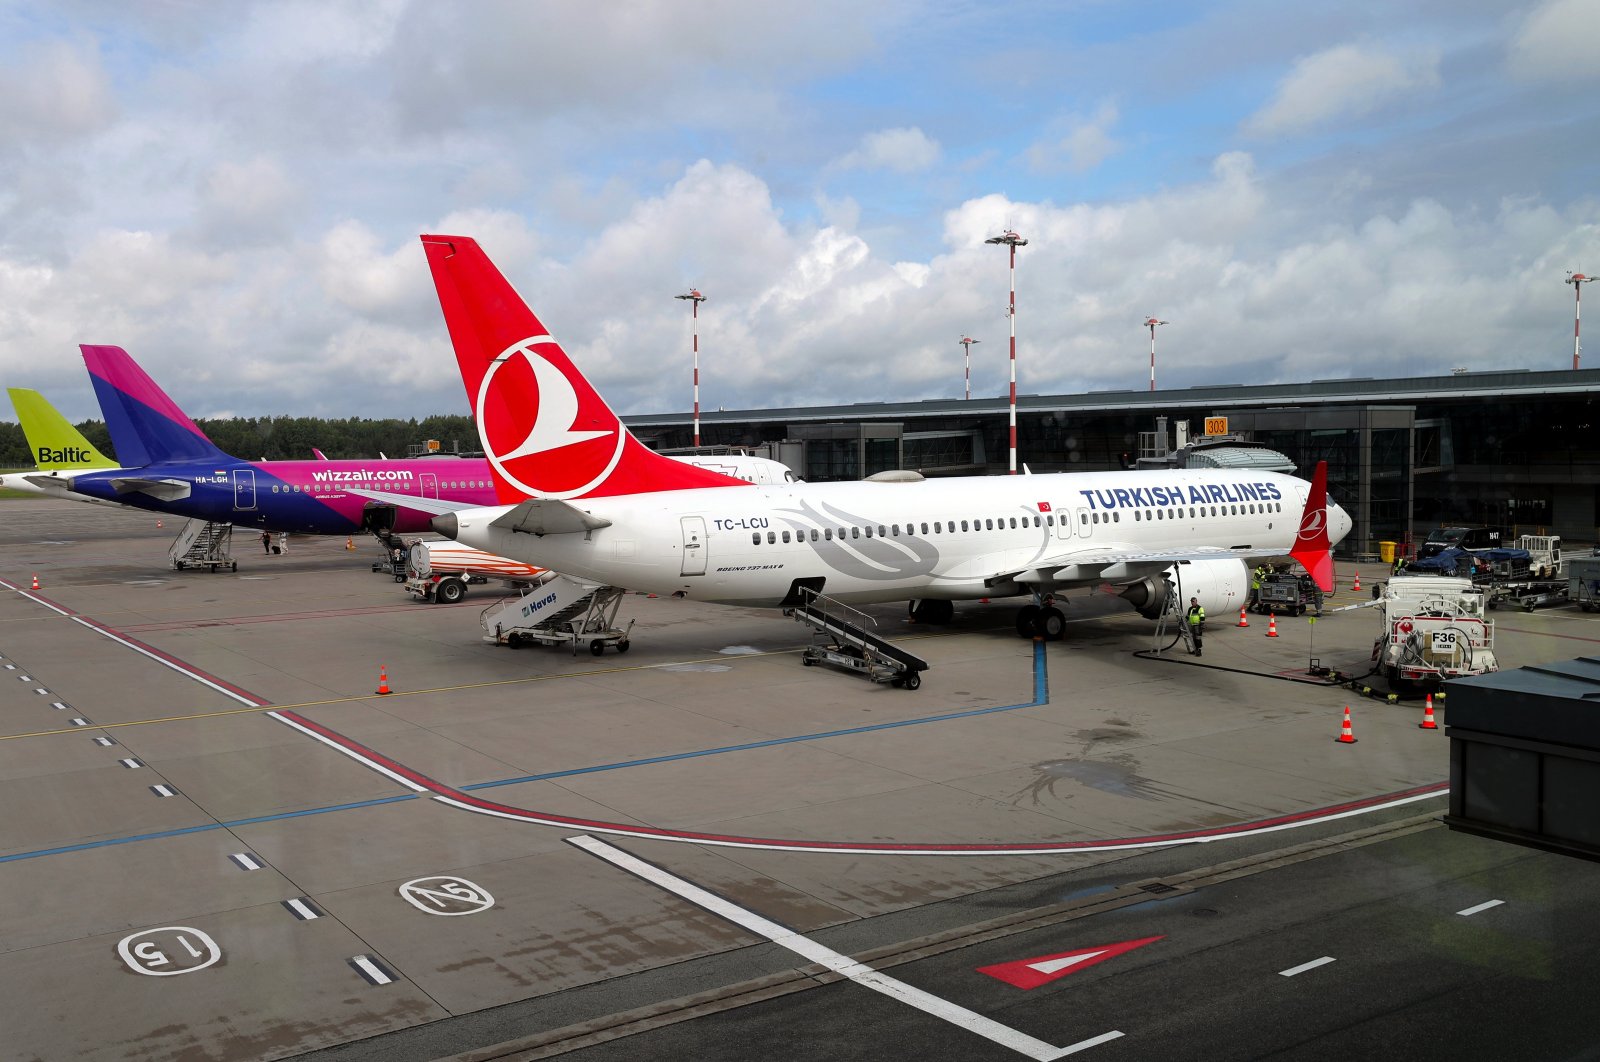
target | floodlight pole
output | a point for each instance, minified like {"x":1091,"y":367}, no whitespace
{"x":1577,"y":280}
{"x":1012,"y":240}
{"x":967,"y":344}
{"x":1151,"y":323}
{"x":695,"y":299}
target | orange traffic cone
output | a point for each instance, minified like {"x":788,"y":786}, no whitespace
{"x":158,"y":523}
{"x":1427,"y":717}
{"x":1357,"y":584}
{"x":1346,"y":735}
{"x":1272,"y":625}
{"x":383,"y":680}
{"x":35,"y":585}
{"x":349,"y":542}
{"x":1242,"y":621}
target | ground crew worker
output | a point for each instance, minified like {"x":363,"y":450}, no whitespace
{"x":1255,"y":588}
{"x":1399,"y":565}
{"x":1197,"y":620}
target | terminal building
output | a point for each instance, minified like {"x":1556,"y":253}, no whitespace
{"x":1513,"y":449}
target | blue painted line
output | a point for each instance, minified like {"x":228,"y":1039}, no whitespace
{"x":1040,"y":697}
{"x":1041,"y":689}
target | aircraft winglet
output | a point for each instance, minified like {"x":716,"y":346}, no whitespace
{"x":1311,"y":546}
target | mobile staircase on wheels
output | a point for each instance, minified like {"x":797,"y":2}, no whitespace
{"x":841,"y":638}
{"x":557,"y":610}
{"x":202,"y":545}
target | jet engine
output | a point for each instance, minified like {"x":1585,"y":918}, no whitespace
{"x":1222,"y":586}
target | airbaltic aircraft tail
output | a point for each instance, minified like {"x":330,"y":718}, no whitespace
{"x":576,"y":447}
{"x":57,"y":446}
{"x":146,"y":426}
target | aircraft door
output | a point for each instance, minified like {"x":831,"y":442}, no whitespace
{"x":244,"y":490}
{"x":1085,"y":523}
{"x":1063,"y":522}
{"x":428,"y":485}
{"x":694,"y":545}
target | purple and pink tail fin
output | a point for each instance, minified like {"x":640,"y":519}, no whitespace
{"x":546,"y":430}
{"x":147,"y":427}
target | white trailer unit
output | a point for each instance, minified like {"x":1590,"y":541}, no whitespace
{"x":1433,"y":630}
{"x":441,"y":571}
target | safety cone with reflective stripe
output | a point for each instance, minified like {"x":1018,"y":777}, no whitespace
{"x":158,"y":523}
{"x":1272,"y":625}
{"x":383,"y":680}
{"x":1346,"y":735}
{"x":349,"y":543}
{"x":1427,"y":717}
{"x":35,"y":585}
{"x":1242,"y":621}
{"x":1357,"y":585}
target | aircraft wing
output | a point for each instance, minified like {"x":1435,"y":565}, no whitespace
{"x":163,"y":489}
{"x":436,"y":506}
{"x":546,"y":516}
{"x":1114,"y":564}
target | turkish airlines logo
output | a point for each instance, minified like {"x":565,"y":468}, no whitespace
{"x":1314,"y":523}
{"x":529,"y":417}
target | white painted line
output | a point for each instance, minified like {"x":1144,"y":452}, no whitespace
{"x":58,"y":706}
{"x":24,"y":678}
{"x":163,"y":790}
{"x":1303,"y":967}
{"x":370,"y":970}
{"x":302,"y":909}
{"x":839,"y":963}
{"x":1481,"y":907}
{"x":41,"y":691}
{"x":104,"y":742}
{"x":246,"y":861}
{"x":80,"y":722}
{"x":179,"y":668}
{"x":364,"y":761}
{"x":131,"y":764}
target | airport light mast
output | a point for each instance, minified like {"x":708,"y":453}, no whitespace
{"x":695,"y":299}
{"x":967,"y":344}
{"x":1012,"y":240}
{"x":1577,"y":280}
{"x":1150,"y":323}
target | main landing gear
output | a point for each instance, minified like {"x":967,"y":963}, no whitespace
{"x":1046,"y":621}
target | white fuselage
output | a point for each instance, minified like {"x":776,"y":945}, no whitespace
{"x":888,"y":541}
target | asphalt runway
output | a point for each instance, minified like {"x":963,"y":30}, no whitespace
{"x":219,"y":833}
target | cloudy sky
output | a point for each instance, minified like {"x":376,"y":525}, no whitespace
{"x":233,"y":192}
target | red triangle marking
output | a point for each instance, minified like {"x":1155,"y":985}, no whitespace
{"x":1041,"y":970}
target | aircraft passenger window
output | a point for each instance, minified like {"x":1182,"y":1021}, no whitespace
{"x":1036,"y":521}
{"x":786,"y":538}
{"x":938,"y":527}
{"x":1050,"y":520}
{"x":896,"y":529}
{"x":772,"y":538}
{"x":813,"y":534}
{"x":869,"y":531}
{"x":1013,"y":523}
{"x":882,"y":531}
{"x":963,"y":525}
{"x":755,"y":538}
{"x":924,"y":527}
{"x":1116,"y":518}
{"x":1136,"y":515}
{"x":1083,"y":518}
{"x":827,"y":534}
{"x":855,"y":532}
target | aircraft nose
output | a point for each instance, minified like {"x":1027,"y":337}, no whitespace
{"x":446,"y":524}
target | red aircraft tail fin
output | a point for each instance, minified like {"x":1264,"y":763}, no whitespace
{"x":546,"y":430}
{"x":1311,"y":546}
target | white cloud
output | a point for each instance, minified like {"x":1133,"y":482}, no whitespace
{"x":59,"y":91}
{"x":1558,"y":42}
{"x":899,"y":150}
{"x":1343,"y":83}
{"x":1085,"y":144}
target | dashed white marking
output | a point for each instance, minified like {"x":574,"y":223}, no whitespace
{"x":1481,"y":907}
{"x":374,"y":973}
{"x":80,"y":721}
{"x":301,"y":908}
{"x":131,"y":764}
{"x":104,"y":742}
{"x":58,"y":706}
{"x":163,"y":790}
{"x":41,"y":691}
{"x":11,"y":667}
{"x":833,"y":960}
{"x":24,"y":678}
{"x":246,"y":861}
{"x":1303,"y":967}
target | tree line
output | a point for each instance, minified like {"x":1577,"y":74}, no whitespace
{"x":285,"y":438}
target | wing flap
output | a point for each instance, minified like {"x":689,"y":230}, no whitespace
{"x":548,"y":516}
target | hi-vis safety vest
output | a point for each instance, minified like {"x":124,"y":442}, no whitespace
{"x":1197,"y":615}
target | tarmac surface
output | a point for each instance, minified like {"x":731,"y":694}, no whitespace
{"x":218,"y":833}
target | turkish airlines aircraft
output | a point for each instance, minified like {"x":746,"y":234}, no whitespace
{"x":581,"y":496}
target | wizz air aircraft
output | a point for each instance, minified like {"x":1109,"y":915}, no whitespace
{"x":169,"y":466}
{"x":579,"y":495}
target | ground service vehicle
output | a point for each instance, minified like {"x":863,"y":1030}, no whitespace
{"x":1433,"y":630}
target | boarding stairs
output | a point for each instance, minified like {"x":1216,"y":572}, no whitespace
{"x":558,"y":610}
{"x":841,"y":637}
{"x":202,"y":545}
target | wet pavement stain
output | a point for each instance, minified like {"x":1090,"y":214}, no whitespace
{"x":1117,"y":775}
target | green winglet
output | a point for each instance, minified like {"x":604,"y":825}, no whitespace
{"x":56,"y":444}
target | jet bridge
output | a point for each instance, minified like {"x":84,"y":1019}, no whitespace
{"x":842,"y":638}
